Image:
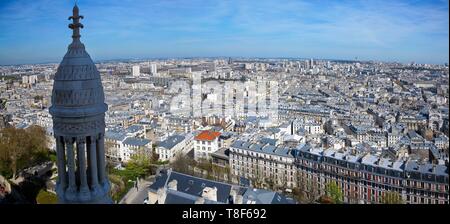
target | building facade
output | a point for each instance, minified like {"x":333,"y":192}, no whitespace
{"x":205,"y":143}
{"x":263,"y":163}
{"x":368,"y":178}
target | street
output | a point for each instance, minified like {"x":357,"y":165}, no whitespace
{"x":139,"y":194}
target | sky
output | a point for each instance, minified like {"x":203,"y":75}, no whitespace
{"x":36,"y":31}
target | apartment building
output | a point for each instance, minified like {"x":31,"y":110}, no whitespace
{"x":367,"y":178}
{"x":205,"y":143}
{"x":263,"y":163}
{"x":171,"y":147}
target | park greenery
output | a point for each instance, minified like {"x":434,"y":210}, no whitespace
{"x":45,"y":197}
{"x":201,"y":168}
{"x":22,"y":148}
{"x":139,"y":166}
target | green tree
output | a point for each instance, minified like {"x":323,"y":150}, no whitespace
{"x":334,"y":193}
{"x":21,"y":148}
{"x":392,"y":197}
{"x":155,"y":156}
{"x":298,"y":194}
{"x":183,"y":164}
{"x":38,"y":98}
{"x":138,"y":166}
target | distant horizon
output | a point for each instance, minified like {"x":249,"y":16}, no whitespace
{"x":402,"y":31}
{"x":225,"y":57}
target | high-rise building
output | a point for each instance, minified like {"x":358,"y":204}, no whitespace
{"x":78,"y":112}
{"x":311,"y":63}
{"x":25,"y":79}
{"x":136,"y":71}
{"x":153,"y":69}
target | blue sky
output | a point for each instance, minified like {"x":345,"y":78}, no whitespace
{"x":35,"y":31}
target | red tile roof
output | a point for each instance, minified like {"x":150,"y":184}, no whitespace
{"x":207,"y":135}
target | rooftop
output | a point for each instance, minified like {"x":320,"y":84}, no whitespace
{"x":207,"y":135}
{"x":136,"y":141}
{"x":171,"y":141}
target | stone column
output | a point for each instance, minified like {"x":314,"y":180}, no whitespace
{"x":72,"y":189}
{"x":61,"y":162}
{"x":93,"y":165}
{"x":101,"y":158}
{"x":81,"y":147}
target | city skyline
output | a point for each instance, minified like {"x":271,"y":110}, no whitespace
{"x":222,"y":131}
{"x":401,"y":31}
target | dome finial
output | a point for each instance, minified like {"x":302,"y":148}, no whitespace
{"x":76,"y":25}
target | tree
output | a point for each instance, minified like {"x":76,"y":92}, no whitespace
{"x":20,"y":148}
{"x":155,"y":156}
{"x":38,"y":98}
{"x":392,"y":197}
{"x":182,"y":164}
{"x":307,"y":188}
{"x":298,"y":194}
{"x":334,"y":193}
{"x":139,"y":165}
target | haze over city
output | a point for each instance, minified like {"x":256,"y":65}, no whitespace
{"x":403,"y":31}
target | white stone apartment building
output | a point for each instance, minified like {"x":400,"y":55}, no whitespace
{"x":263,"y":163}
{"x":121,"y":146}
{"x":171,"y":147}
{"x":205,"y":143}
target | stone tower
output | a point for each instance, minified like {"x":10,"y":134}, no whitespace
{"x":78,"y":111}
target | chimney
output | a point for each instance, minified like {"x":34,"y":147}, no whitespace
{"x":210,"y":193}
{"x":233,"y":194}
{"x":172,"y":185}
{"x":239,"y":199}
{"x":200,"y":201}
{"x":161,"y":195}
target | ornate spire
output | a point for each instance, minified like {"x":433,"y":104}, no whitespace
{"x":76,"y":25}
{"x":78,"y":112}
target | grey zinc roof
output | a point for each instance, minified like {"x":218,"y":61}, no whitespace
{"x":339,"y":155}
{"x":160,"y":181}
{"x":428,"y":168}
{"x":329,"y":153}
{"x":304,"y":147}
{"x":273,"y":130}
{"x":369,"y":159}
{"x":389,"y":164}
{"x":352,"y":158}
{"x":176,"y":197}
{"x":222,"y":153}
{"x":193,"y":185}
{"x":268,"y":149}
{"x":171,"y":141}
{"x":134,"y":128}
{"x":398,"y":165}
{"x":261,"y":196}
{"x":118,"y":136}
{"x":136,"y":141}
{"x":269,"y":141}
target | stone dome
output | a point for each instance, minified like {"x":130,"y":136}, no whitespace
{"x":77,"y":87}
